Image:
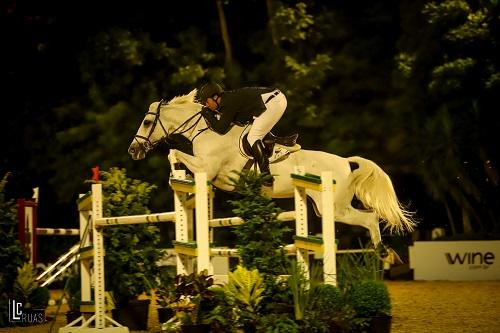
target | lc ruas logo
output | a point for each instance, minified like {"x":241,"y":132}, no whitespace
{"x":18,"y":314}
{"x":473,"y":259}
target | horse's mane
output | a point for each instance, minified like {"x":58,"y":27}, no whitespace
{"x":184,"y":99}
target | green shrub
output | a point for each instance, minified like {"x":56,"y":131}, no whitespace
{"x":132,"y":251}
{"x":327,"y":299}
{"x":355,"y":267}
{"x":72,"y":291}
{"x":27,"y":291}
{"x":276,"y":323}
{"x":261,"y":238}
{"x":370,"y":298}
{"x":40,"y":297}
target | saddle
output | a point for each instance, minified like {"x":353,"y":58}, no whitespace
{"x":270,"y":141}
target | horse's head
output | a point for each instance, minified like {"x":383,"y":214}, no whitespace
{"x":162,"y":120}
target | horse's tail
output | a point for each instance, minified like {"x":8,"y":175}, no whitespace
{"x":373,"y":187}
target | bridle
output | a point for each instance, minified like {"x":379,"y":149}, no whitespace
{"x":148,"y":145}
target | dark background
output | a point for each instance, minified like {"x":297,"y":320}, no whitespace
{"x":387,"y":80}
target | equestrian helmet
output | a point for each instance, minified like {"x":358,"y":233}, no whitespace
{"x":209,"y":90}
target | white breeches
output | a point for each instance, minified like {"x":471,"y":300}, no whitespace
{"x":264,"y":123}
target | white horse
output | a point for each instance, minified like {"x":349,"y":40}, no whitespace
{"x":219,"y":156}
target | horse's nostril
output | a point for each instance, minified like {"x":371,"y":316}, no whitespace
{"x":131,"y":151}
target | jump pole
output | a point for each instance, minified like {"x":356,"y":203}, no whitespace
{"x":28,"y":230}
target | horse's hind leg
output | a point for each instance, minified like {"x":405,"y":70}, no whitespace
{"x":366,"y":219}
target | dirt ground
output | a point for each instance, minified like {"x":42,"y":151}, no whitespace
{"x":418,"y":307}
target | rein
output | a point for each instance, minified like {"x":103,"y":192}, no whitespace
{"x":148,"y":145}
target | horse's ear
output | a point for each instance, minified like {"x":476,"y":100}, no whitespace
{"x":192,"y":94}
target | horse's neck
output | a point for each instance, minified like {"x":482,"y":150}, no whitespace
{"x":181,"y":125}
{"x":200,"y":127}
{"x":211,"y":140}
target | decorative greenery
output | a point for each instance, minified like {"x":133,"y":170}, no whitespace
{"x":328,"y":311}
{"x":261,"y":238}
{"x":246,"y":288}
{"x":12,"y":255}
{"x":165,"y":291}
{"x":132,"y":251}
{"x":72,"y":291}
{"x":27,"y":290}
{"x":193,"y":298}
{"x":327,"y":298}
{"x":276,"y":323}
{"x":300,"y":287}
{"x":354,"y":267}
{"x":224,"y":315}
{"x":370,"y":298}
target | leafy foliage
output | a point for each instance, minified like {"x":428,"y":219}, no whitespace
{"x":72,"y":291}
{"x":25,"y":283}
{"x":261,"y":238}
{"x":355,"y":267}
{"x":276,"y":323}
{"x":165,"y":291}
{"x":246,"y":287}
{"x":132,"y":251}
{"x":370,"y":298}
{"x":193,"y":298}
{"x":447,"y":101}
{"x":26,"y":288}
{"x":12,"y":255}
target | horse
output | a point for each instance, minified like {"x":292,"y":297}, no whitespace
{"x":220,"y":156}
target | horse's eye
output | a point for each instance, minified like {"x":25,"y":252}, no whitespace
{"x":147,"y":122}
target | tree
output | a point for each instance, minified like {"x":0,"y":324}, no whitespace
{"x":449,"y":75}
{"x":124,"y":72}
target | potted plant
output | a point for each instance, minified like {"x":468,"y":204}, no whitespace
{"x":132,"y":251}
{"x":192,"y":303}
{"x":73,"y":295}
{"x":371,"y":300}
{"x":165,"y":295}
{"x":246,"y":288}
{"x":328,"y":311}
{"x":12,"y":254}
{"x":33,"y":297}
{"x":261,"y":239}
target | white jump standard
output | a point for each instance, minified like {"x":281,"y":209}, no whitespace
{"x":303,"y":242}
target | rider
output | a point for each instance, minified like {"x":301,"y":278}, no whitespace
{"x":261,"y":105}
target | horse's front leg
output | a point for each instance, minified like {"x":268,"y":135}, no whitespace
{"x":193,"y":163}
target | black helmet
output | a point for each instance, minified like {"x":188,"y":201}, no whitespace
{"x":209,"y":90}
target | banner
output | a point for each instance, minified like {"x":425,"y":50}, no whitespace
{"x":455,"y":260}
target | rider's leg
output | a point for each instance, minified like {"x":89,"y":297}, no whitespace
{"x":263,"y":125}
{"x":260,"y":157}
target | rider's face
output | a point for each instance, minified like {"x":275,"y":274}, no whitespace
{"x":211,"y":103}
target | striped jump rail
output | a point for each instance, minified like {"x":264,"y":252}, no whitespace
{"x":57,"y":232}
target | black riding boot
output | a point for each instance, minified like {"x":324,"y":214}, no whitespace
{"x":260,"y":157}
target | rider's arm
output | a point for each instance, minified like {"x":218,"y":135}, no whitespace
{"x":222,"y":125}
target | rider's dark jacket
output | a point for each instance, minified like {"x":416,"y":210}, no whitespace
{"x":238,"y":107}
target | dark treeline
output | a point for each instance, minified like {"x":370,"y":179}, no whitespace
{"x":408,"y":84}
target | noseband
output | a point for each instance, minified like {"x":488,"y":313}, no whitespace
{"x":148,"y":145}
